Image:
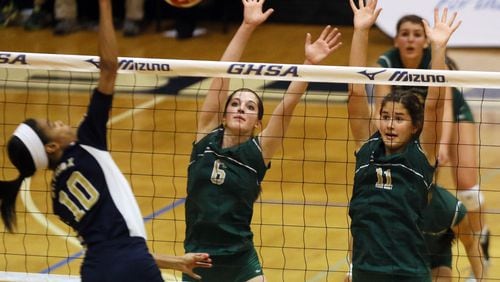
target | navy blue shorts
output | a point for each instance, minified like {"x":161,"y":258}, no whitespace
{"x":126,"y":260}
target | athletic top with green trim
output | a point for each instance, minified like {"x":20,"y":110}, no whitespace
{"x":389,"y":195}
{"x":223,"y":184}
{"x":392,"y":59}
{"x":443,"y":213}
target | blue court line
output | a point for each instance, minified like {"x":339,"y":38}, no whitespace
{"x":164,"y":210}
{"x":62,"y":262}
{"x":80,"y":253}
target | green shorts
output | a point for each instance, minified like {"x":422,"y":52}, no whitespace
{"x":461,"y":110}
{"x":239,"y":267}
{"x":443,"y":259}
{"x":440,"y":250}
{"x":369,"y":276}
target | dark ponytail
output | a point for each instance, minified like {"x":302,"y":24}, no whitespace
{"x":22,"y":160}
{"x":8,"y":195}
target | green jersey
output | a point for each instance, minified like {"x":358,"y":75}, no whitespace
{"x":392,"y":59}
{"x":223,"y":184}
{"x":389,"y":195}
{"x":443,"y":213}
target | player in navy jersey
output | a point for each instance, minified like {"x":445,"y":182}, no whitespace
{"x":231,"y":155}
{"x":89,"y":192}
{"x":395,"y":157}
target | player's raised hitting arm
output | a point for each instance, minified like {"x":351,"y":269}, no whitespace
{"x":211,"y":112}
{"x":315,"y":52}
{"x":108,"y":49}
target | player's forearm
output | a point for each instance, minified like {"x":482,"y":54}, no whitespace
{"x":235,"y":49}
{"x":168,"y":261}
{"x":108,"y":48}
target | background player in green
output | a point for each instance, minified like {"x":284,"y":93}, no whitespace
{"x":394,"y":166}
{"x":230,"y":158}
{"x":459,"y":141}
{"x":446,"y":219}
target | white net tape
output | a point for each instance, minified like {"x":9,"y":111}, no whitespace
{"x":288,"y":72}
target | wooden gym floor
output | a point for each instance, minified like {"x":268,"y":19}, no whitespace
{"x":300,"y":222}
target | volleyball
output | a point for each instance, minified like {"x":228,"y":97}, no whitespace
{"x":183,"y":3}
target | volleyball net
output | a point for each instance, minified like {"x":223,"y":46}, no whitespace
{"x":300,"y":221}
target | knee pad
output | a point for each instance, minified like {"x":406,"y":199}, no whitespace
{"x":472,"y":198}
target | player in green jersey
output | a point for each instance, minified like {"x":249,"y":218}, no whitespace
{"x":459,"y":141}
{"x":395,"y":159}
{"x":230,"y":156}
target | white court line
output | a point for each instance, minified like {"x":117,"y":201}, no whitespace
{"x":140,"y":108}
{"x":41,"y":277}
{"x":334,"y":268}
{"x":38,"y":277}
{"x":32,"y":208}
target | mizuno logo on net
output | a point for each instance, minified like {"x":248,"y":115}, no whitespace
{"x":129,"y":64}
{"x":406,"y":76}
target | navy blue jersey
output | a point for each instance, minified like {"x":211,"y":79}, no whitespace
{"x":90,"y":193}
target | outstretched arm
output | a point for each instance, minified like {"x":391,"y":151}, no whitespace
{"x":360,"y":113}
{"x":185,"y":263}
{"x":211,"y":111}
{"x":108,"y":49}
{"x":438,"y":35}
{"x":447,"y":128}
{"x":271,"y":137}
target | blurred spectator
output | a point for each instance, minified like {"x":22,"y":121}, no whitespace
{"x":40,"y":16}
{"x":66,"y":16}
{"x":8,"y":13}
{"x":134,"y":14}
{"x":185,"y":25}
